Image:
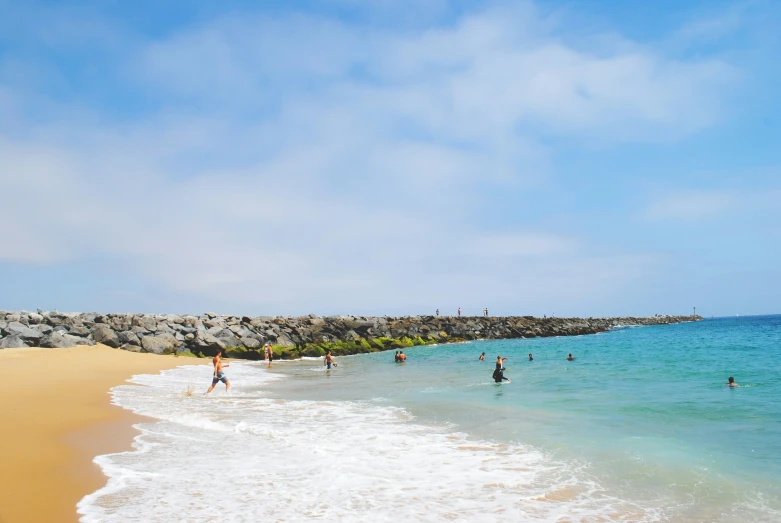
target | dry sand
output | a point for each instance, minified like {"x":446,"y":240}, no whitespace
{"x":55,"y":417}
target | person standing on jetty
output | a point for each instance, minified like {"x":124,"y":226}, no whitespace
{"x":329,"y":360}
{"x":459,"y":312}
{"x":219,"y":375}
{"x":437,"y":312}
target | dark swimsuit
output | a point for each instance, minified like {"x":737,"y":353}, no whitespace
{"x":220,"y":377}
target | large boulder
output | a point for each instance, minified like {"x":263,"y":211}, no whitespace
{"x":128,"y":338}
{"x":105,"y":335}
{"x":250,"y":343}
{"x":79,"y":329}
{"x":15,"y":328}
{"x":12,"y":342}
{"x":147,"y":322}
{"x":58,"y":340}
{"x":34,"y":318}
{"x":157,"y":345}
{"x":131,"y":348}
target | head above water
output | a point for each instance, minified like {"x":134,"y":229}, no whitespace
{"x":731,"y":379}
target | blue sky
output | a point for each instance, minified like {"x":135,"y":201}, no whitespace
{"x":391,"y":157}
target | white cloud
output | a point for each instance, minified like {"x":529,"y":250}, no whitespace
{"x":300,"y":163}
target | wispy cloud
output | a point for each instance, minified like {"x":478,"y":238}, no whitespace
{"x":300,"y":161}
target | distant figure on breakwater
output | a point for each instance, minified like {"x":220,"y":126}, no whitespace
{"x":482,"y":356}
{"x":402,"y":357}
{"x":731,"y":382}
{"x":437,"y":312}
{"x":530,"y":357}
{"x":459,"y":311}
{"x":570,"y":358}
{"x":219,"y":375}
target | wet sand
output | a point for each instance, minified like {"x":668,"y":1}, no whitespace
{"x":56,"y":417}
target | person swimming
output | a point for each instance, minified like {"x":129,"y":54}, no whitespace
{"x":498,"y":374}
{"x":530,"y":357}
{"x":570,"y":358}
{"x":482,"y":356}
{"x":402,"y":356}
{"x":731,"y":382}
{"x":396,"y":357}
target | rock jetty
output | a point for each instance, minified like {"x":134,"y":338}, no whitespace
{"x":292,"y":337}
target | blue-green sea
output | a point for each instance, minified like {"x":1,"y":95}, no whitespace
{"x":643,"y":413}
{"x":640,"y":427}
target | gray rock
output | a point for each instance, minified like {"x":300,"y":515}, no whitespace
{"x":128,"y":338}
{"x":79,"y":330}
{"x":23,"y":331}
{"x":139,"y":330}
{"x":131,"y":348}
{"x":57,"y":340}
{"x":12,"y":342}
{"x":3,"y":324}
{"x":106,"y":336}
{"x":250,"y":343}
{"x":42,"y":328}
{"x":60,"y":328}
{"x":189,"y":336}
{"x":157,"y":345}
{"x":34,"y":319}
{"x":12,"y":317}
{"x":210,"y":315}
{"x":147,"y":322}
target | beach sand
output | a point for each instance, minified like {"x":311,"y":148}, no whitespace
{"x":56,"y":417}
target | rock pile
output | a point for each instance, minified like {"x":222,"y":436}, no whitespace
{"x":204,"y":334}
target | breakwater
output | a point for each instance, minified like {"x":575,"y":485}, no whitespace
{"x":292,"y":337}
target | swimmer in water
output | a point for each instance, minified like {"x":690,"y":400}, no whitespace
{"x":570,"y":358}
{"x":530,"y":357}
{"x":396,"y":357}
{"x":219,"y":375}
{"x":329,"y":360}
{"x":402,"y":356}
{"x":482,"y":357}
{"x":498,"y":374}
{"x":731,"y":382}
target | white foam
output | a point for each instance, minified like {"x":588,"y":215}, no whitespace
{"x":247,"y":458}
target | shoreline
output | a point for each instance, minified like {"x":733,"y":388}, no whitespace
{"x":57,"y":407}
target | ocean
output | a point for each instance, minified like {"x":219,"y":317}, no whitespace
{"x":640,"y":427}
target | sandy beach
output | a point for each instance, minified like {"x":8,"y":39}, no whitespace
{"x":56,"y":417}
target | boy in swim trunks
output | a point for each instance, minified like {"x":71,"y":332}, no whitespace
{"x":329,"y":360}
{"x":219,"y":375}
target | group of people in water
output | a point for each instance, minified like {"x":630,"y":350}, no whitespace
{"x":400,"y":357}
{"x":498,"y":374}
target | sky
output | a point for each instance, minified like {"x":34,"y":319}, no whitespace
{"x":583,"y":158}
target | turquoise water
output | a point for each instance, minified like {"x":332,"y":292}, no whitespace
{"x":644,"y":412}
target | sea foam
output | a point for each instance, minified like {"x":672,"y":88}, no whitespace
{"x":246,"y":457}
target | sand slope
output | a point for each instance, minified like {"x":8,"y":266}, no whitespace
{"x":55,"y":417}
